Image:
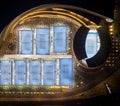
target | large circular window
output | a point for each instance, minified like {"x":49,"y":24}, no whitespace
{"x":92,"y":46}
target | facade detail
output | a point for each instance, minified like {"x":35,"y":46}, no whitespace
{"x":56,"y":51}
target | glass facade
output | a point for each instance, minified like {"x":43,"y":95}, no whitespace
{"x":34,"y":73}
{"x":60,"y":38}
{"x":92,"y":43}
{"x":26,"y":42}
{"x":43,"y":41}
{"x":5,"y":72}
{"x":66,"y":70}
{"x":20,"y":72}
{"x":53,"y":71}
{"x":49,"y":76}
{"x":37,"y":72}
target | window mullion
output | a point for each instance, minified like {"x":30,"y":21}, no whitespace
{"x":27,"y":72}
{"x":13,"y":72}
{"x":51,"y":39}
{"x":19,"y":42}
{"x":34,"y":42}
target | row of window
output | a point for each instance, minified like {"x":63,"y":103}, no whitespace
{"x":21,"y":72}
{"x":41,"y":41}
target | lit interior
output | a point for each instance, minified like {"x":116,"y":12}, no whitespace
{"x":42,"y":41}
{"x":60,"y":33}
{"x":92,"y":44}
{"x":34,"y":65}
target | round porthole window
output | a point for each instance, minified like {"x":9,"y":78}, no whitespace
{"x":92,"y":46}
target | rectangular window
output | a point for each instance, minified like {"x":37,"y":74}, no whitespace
{"x":34,"y":73}
{"x":49,"y":73}
{"x":42,"y":41}
{"x":26,"y":42}
{"x":5,"y":72}
{"x":20,"y":72}
{"x":66,"y":70}
{"x":60,"y":39}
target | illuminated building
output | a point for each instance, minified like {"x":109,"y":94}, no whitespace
{"x":56,"y":52}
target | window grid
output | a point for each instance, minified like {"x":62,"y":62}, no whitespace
{"x":51,"y":40}
{"x":27,"y":72}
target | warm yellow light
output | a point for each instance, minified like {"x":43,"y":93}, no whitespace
{"x":111,"y":33}
{"x":111,"y":29}
{"x":111,"y":26}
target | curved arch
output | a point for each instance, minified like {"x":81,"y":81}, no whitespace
{"x":51,"y":8}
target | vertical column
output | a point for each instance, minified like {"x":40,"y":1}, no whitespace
{"x":57,"y":72}
{"x":19,"y":42}
{"x":13,"y":72}
{"x":51,"y":39}
{"x":27,"y":73}
{"x":42,"y":69}
{"x":34,"y":42}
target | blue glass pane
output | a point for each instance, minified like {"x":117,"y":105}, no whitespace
{"x":6,"y":74}
{"x":49,"y":73}
{"x":34,"y":73}
{"x":66,"y":68}
{"x":60,"y":39}
{"x":26,"y":35}
{"x":26,"y":42}
{"x":92,"y":43}
{"x":26,"y":48}
{"x":20,"y":72}
{"x":42,"y":41}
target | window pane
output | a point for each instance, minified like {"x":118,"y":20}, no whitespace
{"x":60,"y":34}
{"x":20,"y":72}
{"x":92,"y":45}
{"x":42,"y":41}
{"x":26,"y":48}
{"x":49,"y":73}
{"x":6,"y":74}
{"x":66,"y":68}
{"x":26,"y":42}
{"x":34,"y":73}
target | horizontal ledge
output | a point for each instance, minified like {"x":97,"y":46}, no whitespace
{"x":19,"y":57}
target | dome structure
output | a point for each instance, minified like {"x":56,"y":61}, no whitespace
{"x":55,"y":51}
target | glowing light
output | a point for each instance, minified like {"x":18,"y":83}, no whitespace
{"x":109,"y":20}
{"x":92,"y":43}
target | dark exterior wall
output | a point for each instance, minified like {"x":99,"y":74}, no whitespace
{"x":117,"y":18}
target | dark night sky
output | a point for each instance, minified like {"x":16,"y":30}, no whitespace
{"x":9,"y":9}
